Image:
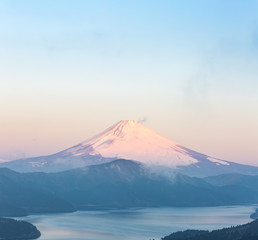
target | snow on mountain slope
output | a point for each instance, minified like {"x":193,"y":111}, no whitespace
{"x":129,"y":139}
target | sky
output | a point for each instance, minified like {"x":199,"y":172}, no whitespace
{"x":187,"y":68}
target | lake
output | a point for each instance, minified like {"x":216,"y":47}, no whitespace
{"x":140,"y":224}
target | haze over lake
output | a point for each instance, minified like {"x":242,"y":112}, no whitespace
{"x":137,"y":224}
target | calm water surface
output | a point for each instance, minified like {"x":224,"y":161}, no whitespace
{"x":140,"y":224}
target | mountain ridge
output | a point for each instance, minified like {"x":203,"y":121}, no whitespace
{"x":117,"y":184}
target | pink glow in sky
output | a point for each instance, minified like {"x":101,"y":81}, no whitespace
{"x":68,"y":71}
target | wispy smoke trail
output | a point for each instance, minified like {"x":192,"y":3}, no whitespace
{"x":142,"y":120}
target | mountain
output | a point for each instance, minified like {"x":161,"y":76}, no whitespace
{"x":117,"y":184}
{"x":234,"y":179}
{"x":247,"y":231}
{"x":129,"y":139}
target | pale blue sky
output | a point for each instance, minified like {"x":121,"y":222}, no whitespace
{"x":69,"y":69}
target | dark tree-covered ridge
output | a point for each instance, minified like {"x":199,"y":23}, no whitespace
{"x":11,"y":229}
{"x":247,"y":231}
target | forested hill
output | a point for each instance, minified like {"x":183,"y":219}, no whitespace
{"x":11,"y":229}
{"x":247,"y":231}
{"x":118,"y":184}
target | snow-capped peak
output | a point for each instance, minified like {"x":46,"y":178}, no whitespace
{"x":130,"y":139}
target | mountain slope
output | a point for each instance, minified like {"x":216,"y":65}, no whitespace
{"x":19,"y":196}
{"x":250,"y":182}
{"x":131,"y":140}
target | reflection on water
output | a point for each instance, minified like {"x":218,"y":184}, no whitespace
{"x":136,"y":224}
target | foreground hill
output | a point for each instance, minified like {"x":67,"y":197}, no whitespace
{"x":117,"y":184}
{"x":131,"y":140}
{"x":11,"y":229}
{"x":247,"y":231}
